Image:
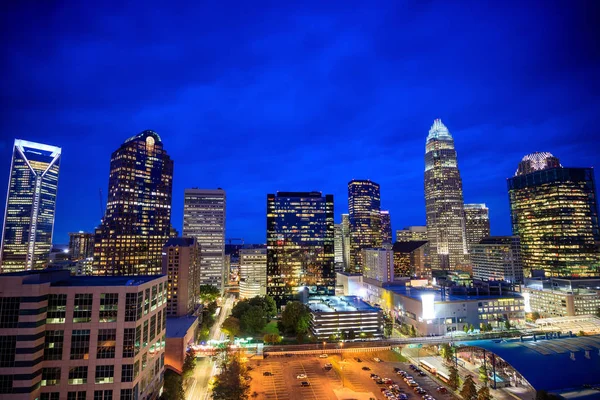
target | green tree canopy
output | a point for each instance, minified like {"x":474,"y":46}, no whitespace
{"x":507,"y":325}
{"x":231,"y":326}
{"x":483,"y":376}
{"x":484,"y":393}
{"x":468,"y":390}
{"x":231,"y":383}
{"x":253,"y":321}
{"x":173,"y":386}
{"x":189,"y":363}
{"x":240,"y":308}
{"x":446,"y":352}
{"x":453,"y":375}
{"x":209,"y":293}
{"x":295,"y":318}
{"x":267,"y":304}
{"x":272,"y":338}
{"x":413,"y":331}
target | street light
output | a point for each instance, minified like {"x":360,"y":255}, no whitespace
{"x":324,"y":346}
{"x":342,"y":350}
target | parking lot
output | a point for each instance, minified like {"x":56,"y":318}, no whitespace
{"x":281,"y":382}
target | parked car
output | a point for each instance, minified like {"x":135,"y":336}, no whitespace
{"x":376,"y":359}
{"x":403,"y":396}
{"x":388,"y":381}
{"x":396,"y":369}
{"x":358,"y":359}
{"x":366,"y":368}
{"x":304,"y":383}
{"x":421,"y":373}
{"x":411,"y":366}
{"x":267,"y":373}
{"x":328,"y":365}
{"x":413,"y":384}
{"x":323,"y":356}
{"x":380,"y":381}
{"x":442,"y":390}
{"x":301,"y":376}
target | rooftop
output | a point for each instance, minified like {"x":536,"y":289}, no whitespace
{"x":418,"y":293}
{"x":180,"y":241}
{"x":407,"y":247}
{"x":178,"y":327}
{"x":62,"y":277}
{"x":325,"y":304}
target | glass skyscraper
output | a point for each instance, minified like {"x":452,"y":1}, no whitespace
{"x":204,"y":219}
{"x":386,"y":227}
{"x":30,"y":206}
{"x":300,"y":245}
{"x":444,"y":201}
{"x":477,"y":223}
{"x":554,"y":211}
{"x":137,"y":222}
{"x":364,"y":205}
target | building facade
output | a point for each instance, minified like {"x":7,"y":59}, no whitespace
{"x":30,"y":206}
{"x":477,"y":223}
{"x":204,"y":219}
{"x":344,"y":317}
{"x":411,"y":234}
{"x":137,"y":221}
{"x":364,"y":204}
{"x":498,"y":258}
{"x":253,"y":273}
{"x":410,"y":259}
{"x":300,"y":245}
{"x":554,"y":211}
{"x":444,"y":201}
{"x":346,"y":240}
{"x":81,"y":245}
{"x":378,"y":264}
{"x":66,"y":337}
{"x":338,"y":246}
{"x":562,"y":297}
{"x":386,"y":228}
{"x":181,"y":265}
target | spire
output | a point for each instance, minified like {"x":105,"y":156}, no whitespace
{"x":439,"y":131}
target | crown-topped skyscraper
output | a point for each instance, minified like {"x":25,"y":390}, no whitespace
{"x":444,"y":200}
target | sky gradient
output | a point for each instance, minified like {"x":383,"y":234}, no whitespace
{"x":259,"y":97}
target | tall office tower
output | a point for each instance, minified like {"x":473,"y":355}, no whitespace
{"x":253,"y":273}
{"x":411,"y":234}
{"x":378,"y":264}
{"x":137,"y":221}
{"x":498,"y":258}
{"x":300,"y":237}
{"x":81,"y":245}
{"x":181,"y":265}
{"x":204,"y":219}
{"x":81,"y":337}
{"x":477,"y":223}
{"x":386,"y":227}
{"x":346,"y":240}
{"x":444,"y":201}
{"x":555,"y":213}
{"x":365,"y":219}
{"x":30,"y":206}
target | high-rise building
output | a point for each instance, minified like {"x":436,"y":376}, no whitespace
{"x":30,"y":206}
{"x":67,"y":337}
{"x":204,"y":219}
{"x":253,"y":273}
{"x":477,"y":223}
{"x":365,"y":219}
{"x":498,"y":258}
{"x":386,"y":227}
{"x":300,"y":241}
{"x":555,"y":213}
{"x":444,"y":201}
{"x":339,"y":248}
{"x":137,"y":221}
{"x":410,"y":259}
{"x":411,"y":234}
{"x":81,"y":245}
{"x":181,"y":265}
{"x":378,"y":264}
{"x":346,"y":240}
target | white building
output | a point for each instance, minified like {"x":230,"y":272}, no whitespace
{"x":378,"y":264}
{"x":253,"y":273}
{"x":204,"y":220}
{"x":344,"y":316}
{"x":562,"y":297}
{"x":498,"y":258}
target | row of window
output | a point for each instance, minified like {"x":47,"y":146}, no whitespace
{"x":126,"y":394}
{"x":79,"y":375}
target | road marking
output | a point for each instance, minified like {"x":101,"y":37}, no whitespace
{"x":311,"y":386}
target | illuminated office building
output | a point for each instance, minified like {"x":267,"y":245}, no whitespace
{"x":346,"y":239}
{"x":378,"y":264}
{"x":386,"y":227}
{"x":444,"y":201}
{"x":181,"y":265}
{"x":411,"y":234}
{"x":137,"y":222}
{"x":30,"y":206}
{"x":253,"y":273}
{"x":300,"y":245}
{"x":339,"y":248}
{"x":555,"y":213}
{"x":410,"y":259}
{"x":365,"y":219}
{"x":204,"y":219}
{"x":477,"y":223}
{"x":81,"y":245}
{"x":498,"y":258}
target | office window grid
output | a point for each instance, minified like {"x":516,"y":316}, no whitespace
{"x":80,"y":344}
{"x":103,"y":395}
{"x":7,"y":350}
{"x":9,"y":312}
{"x":78,"y":375}
{"x":57,"y":309}
{"x":107,"y":340}
{"x":76,"y":395}
{"x":53,"y":345}
{"x":105,"y":374}
{"x":82,"y":310}
{"x":109,"y":304}
{"x":127,"y":373}
{"x":50,"y":376}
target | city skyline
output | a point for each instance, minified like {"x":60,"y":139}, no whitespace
{"x":392,"y":87}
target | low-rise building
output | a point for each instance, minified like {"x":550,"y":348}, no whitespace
{"x":498,"y":258}
{"x":344,"y":316}
{"x":562,"y":297}
{"x":181,"y":333}
{"x":78,"y":337}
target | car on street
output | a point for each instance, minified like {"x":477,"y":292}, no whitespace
{"x":376,"y":359}
{"x":413,"y":384}
{"x":403,"y":396}
{"x":267,"y":373}
{"x":366,"y":368}
{"x":328,"y":365}
{"x":301,"y":376}
{"x":420,"y":390}
{"x":441,"y":390}
{"x":323,"y":356}
{"x":304,"y":383}
{"x":421,"y":373}
{"x":402,"y":373}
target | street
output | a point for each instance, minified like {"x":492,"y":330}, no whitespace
{"x":197,"y":388}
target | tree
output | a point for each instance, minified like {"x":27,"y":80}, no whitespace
{"x":484,"y":393}
{"x":351,"y":334}
{"x":231,"y":327}
{"x":272,"y":338}
{"x":489,"y":327}
{"x":413,"y":331}
{"x":173,"y":386}
{"x":231,"y":383}
{"x":189,"y":363}
{"x":468,"y":390}
{"x":581,"y":333}
{"x":453,"y":380}
{"x":483,"y":376}
{"x":471,"y":328}
{"x":466,"y":328}
{"x":267,"y":304}
{"x":253,"y":321}
{"x":388,"y":328}
{"x":209,"y":293}
{"x":240,"y":308}
{"x":446,"y":352}
{"x":507,"y":325}
{"x":295,"y":318}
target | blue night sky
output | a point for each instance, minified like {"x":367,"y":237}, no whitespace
{"x":257,"y":97}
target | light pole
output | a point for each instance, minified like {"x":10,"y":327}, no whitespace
{"x":342,"y":350}
{"x":324,"y":346}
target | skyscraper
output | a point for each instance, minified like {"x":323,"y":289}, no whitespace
{"x":338,"y":247}
{"x":555,"y":213}
{"x":204,"y":219}
{"x":411,"y":234}
{"x":137,"y":221}
{"x":346,"y":239}
{"x":386,"y":227}
{"x":300,"y":241}
{"x":365,"y":219}
{"x":477,"y":223}
{"x":30,"y":206}
{"x":181,"y":265}
{"x":444,"y":200}
{"x":81,"y":245}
